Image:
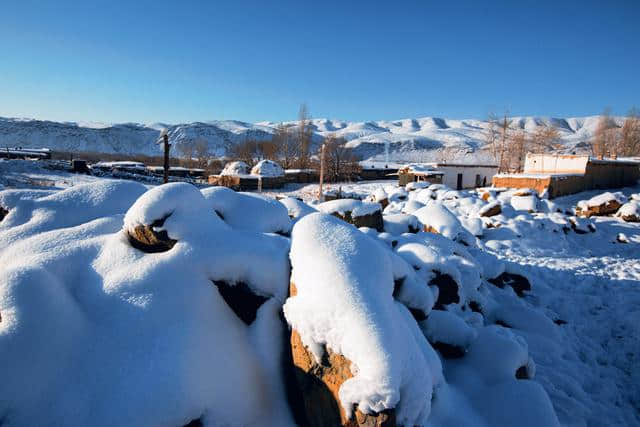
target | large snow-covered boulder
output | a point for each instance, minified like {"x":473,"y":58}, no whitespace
{"x":601,"y":205}
{"x":344,"y":305}
{"x":630,"y":211}
{"x":436,"y":218}
{"x":248,"y":211}
{"x":296,"y":208}
{"x":95,"y":332}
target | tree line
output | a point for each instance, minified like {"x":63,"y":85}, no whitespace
{"x":292,"y":146}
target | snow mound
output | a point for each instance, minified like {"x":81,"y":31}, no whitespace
{"x":235,"y":168}
{"x":104,"y":334}
{"x":248,"y":211}
{"x":436,"y":217}
{"x":267,"y":168}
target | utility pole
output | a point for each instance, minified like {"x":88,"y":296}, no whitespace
{"x":164,"y":138}
{"x":322,"y":150}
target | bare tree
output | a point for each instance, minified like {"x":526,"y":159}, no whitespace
{"x":545,"y":139}
{"x":201,"y":152}
{"x":187,"y":149}
{"x":285,"y":145}
{"x":606,"y":137}
{"x":630,"y":134}
{"x":491,"y":136}
{"x":517,"y":149}
{"x":497,"y":138}
{"x":340,"y":160}
{"x":245,"y":151}
{"x":304,"y":134}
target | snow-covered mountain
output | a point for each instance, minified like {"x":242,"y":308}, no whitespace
{"x":407,"y":139}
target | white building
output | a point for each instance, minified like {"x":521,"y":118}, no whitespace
{"x":460,"y":175}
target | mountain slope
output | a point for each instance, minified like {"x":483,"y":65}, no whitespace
{"x":408,"y":139}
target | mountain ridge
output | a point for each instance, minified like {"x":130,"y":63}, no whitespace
{"x":409,"y":139}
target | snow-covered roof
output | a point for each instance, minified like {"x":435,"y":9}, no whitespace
{"x":120,"y":164}
{"x":267,"y":168}
{"x":421,"y":168}
{"x":235,"y":168}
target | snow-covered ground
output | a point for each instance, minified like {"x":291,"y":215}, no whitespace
{"x":406,"y":140}
{"x":98,"y":328}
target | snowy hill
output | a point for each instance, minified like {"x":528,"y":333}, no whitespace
{"x":407,"y":139}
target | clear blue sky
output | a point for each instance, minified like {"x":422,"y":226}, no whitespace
{"x":148,"y":61}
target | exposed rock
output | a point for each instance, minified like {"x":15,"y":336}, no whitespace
{"x":622,"y":238}
{"x":491,"y":209}
{"x":319,"y":385}
{"x":241,"y":299}
{"x":519,"y":283}
{"x":447,"y":290}
{"x":476,"y":307}
{"x":373,"y":220}
{"x":3,"y":212}
{"x":146,"y":239}
{"x":603,"y":205}
{"x":449,"y":351}
{"x":630,"y":212}
{"x":522,"y":373}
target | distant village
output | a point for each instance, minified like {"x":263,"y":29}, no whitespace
{"x":551,"y":175}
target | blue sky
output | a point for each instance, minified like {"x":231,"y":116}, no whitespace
{"x":149,"y":61}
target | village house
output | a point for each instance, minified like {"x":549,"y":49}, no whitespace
{"x":558,"y":175}
{"x":454,"y":175}
{"x":466,"y":175}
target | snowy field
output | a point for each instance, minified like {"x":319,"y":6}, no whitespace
{"x":117,"y":303}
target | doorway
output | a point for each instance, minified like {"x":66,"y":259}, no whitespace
{"x":459,"y":185}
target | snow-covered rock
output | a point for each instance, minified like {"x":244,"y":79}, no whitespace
{"x":600,"y":205}
{"x":344,"y":305}
{"x":248,"y":211}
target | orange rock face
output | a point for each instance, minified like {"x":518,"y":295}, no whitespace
{"x":608,"y":208}
{"x":319,"y":385}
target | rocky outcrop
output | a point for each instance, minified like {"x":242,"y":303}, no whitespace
{"x":318,"y":384}
{"x":3,"y":212}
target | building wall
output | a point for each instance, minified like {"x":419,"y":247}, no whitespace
{"x":611,"y":175}
{"x":511,"y":181}
{"x":450,"y":178}
{"x":553,"y":163}
{"x":555,"y":186}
